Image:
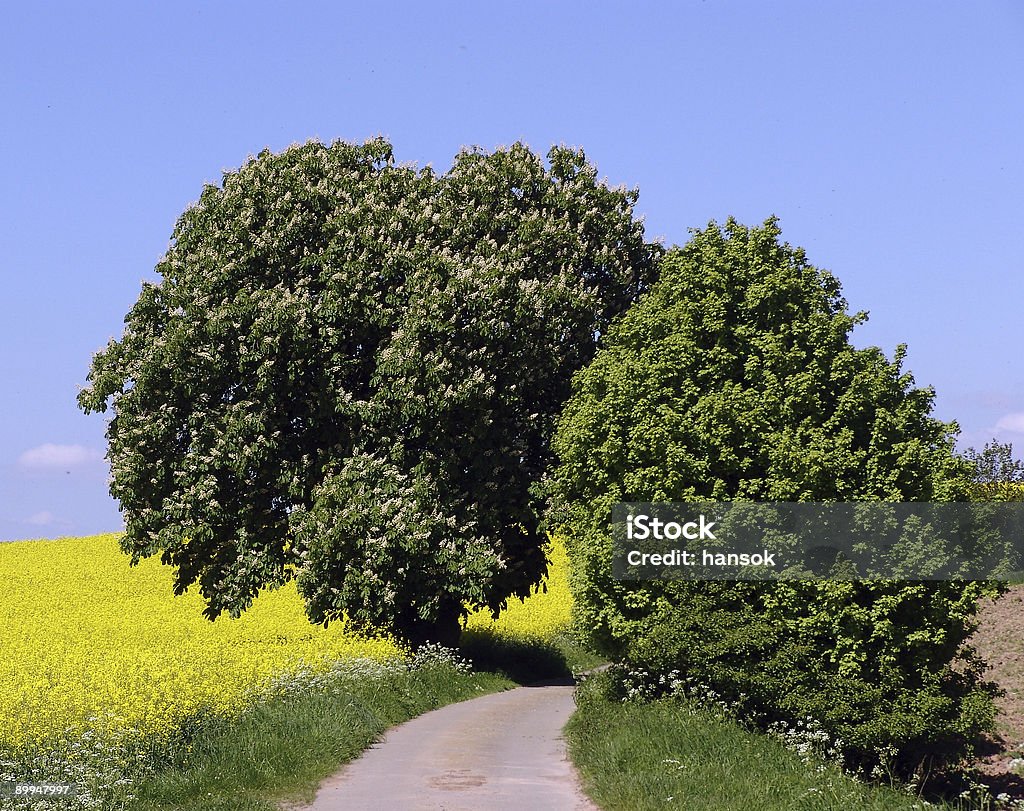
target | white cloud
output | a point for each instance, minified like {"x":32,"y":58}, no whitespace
{"x":50,"y":456}
{"x":41,"y":519}
{"x":1011,"y":422}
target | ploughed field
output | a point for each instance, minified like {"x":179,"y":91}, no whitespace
{"x":1000,"y":641}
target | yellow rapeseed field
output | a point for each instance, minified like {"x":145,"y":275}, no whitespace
{"x":91,"y":646}
{"x":540,"y":616}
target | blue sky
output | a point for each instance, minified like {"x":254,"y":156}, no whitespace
{"x":885,"y":136}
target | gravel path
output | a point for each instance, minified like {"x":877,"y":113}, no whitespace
{"x":497,"y":752}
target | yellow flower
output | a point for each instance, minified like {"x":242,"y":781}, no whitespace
{"x":90,"y":643}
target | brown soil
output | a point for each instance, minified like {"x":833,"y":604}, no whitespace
{"x":1000,"y":641}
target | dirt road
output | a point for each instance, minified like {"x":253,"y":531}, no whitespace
{"x":496,"y":752}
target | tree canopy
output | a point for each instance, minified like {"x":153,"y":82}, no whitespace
{"x":349,"y":373}
{"x":734,"y":378}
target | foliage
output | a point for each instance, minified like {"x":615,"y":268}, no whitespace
{"x":996,"y":474}
{"x":995,"y":463}
{"x":734,"y":378}
{"x":349,"y":373}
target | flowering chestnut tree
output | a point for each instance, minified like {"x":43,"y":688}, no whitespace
{"x":349,"y":373}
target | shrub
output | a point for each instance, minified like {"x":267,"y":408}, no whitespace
{"x":734,"y":378}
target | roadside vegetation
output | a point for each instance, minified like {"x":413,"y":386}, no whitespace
{"x":273,"y":750}
{"x":277,"y":751}
{"x":638,"y":748}
{"x":112,"y":684}
{"x":677,"y":754}
{"x":104,"y":670}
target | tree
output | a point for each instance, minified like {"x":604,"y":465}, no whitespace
{"x":349,"y":374}
{"x":996,"y":474}
{"x":734,"y":378}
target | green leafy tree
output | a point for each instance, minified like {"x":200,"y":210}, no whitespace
{"x":349,"y":374}
{"x":734,"y":378}
{"x":996,"y":474}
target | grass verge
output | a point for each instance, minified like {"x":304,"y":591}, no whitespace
{"x":667,"y":754}
{"x":276,"y":753}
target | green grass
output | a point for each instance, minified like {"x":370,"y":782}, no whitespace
{"x":664,"y":755}
{"x":282,"y":748}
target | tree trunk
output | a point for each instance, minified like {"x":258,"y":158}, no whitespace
{"x":445,"y":630}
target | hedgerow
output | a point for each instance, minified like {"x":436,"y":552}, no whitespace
{"x":734,"y":378}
